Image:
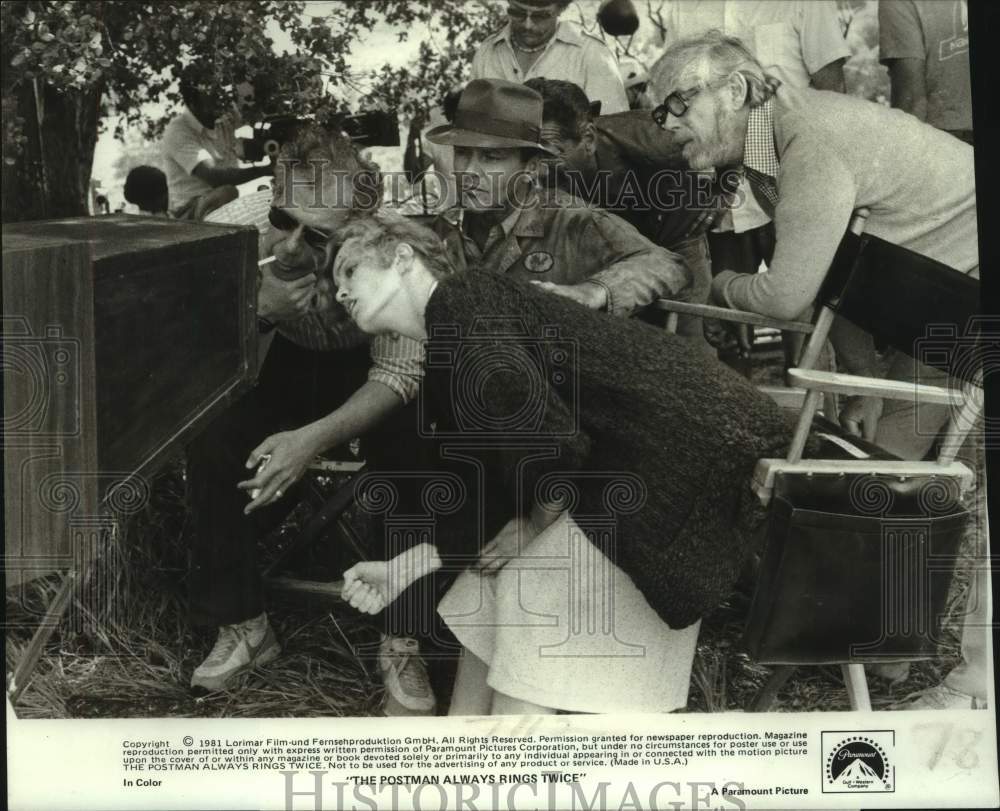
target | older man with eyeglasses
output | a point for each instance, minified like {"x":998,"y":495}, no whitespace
{"x":535,"y":42}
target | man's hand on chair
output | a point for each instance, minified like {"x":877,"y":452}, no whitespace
{"x":290,"y":453}
{"x":860,"y":416}
{"x":727,"y":336}
{"x":507,"y":545}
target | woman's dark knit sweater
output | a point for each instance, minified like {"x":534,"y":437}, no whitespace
{"x":647,"y":431}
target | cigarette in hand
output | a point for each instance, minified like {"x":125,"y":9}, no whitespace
{"x":267,"y":261}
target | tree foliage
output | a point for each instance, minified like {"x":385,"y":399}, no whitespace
{"x":66,"y":64}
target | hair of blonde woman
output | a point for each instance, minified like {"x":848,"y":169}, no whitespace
{"x":708,"y":58}
{"x":379,"y":232}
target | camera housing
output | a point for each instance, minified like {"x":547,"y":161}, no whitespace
{"x":371,"y":128}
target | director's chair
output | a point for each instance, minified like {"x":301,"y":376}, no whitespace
{"x":858,"y":539}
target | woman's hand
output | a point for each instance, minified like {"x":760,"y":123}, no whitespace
{"x":507,"y":545}
{"x":288,"y":454}
{"x":369,"y":587}
{"x":372,"y":585}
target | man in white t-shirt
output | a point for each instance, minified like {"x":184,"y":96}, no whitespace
{"x":201,"y":154}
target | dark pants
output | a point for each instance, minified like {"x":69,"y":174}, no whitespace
{"x":296,"y":386}
{"x":743,"y":253}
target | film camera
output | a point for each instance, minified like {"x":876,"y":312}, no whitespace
{"x":498,"y":349}
{"x":371,"y":128}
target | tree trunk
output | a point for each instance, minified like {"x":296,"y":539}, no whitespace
{"x":51,"y":175}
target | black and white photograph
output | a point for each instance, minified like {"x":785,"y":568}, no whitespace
{"x":496,"y":403}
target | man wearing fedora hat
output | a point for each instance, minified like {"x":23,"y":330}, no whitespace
{"x":535,"y":42}
{"x":553,"y":238}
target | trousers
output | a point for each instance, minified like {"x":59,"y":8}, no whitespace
{"x":295,"y":386}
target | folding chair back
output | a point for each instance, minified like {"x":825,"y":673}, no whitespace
{"x":861,"y":549}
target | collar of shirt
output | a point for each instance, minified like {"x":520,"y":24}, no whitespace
{"x":758,"y":151}
{"x":564,"y":33}
{"x":526,"y":220}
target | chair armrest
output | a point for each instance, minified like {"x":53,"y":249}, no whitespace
{"x":790,"y":399}
{"x":725,"y":314}
{"x":767,"y":469}
{"x":836,"y":383}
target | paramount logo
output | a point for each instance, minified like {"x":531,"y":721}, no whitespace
{"x":858,"y":762}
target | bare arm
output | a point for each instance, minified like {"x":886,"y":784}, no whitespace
{"x":830,"y":77}
{"x":217,"y":176}
{"x":909,"y":89}
{"x":290,"y":452}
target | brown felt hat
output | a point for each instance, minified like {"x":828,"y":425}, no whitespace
{"x":494,"y":113}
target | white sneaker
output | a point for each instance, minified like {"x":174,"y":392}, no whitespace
{"x":892,"y":672}
{"x":407,"y":687}
{"x":239,"y":648}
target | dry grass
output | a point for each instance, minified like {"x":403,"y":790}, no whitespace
{"x":137,"y":662}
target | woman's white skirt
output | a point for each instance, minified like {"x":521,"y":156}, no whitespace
{"x":561,"y":626}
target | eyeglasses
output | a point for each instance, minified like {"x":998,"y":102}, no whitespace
{"x":522,"y":15}
{"x":678,"y":102}
{"x":283,"y":221}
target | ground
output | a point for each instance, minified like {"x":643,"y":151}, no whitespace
{"x":136,"y":661}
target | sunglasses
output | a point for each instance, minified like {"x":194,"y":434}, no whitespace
{"x":522,"y":15}
{"x":283,"y":221}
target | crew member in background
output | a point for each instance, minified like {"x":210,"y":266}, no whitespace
{"x":201,"y":153}
{"x":635,"y":77}
{"x":624,"y":164}
{"x":535,"y":42}
{"x":925,"y":45}
{"x":801,"y":42}
{"x":146,"y":188}
{"x":430,"y":167}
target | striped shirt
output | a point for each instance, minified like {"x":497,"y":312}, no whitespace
{"x":397,"y":361}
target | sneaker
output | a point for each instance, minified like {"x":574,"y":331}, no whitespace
{"x":407,"y":688}
{"x":238,"y":648}
{"x":892,"y":672}
{"x":941,"y":697}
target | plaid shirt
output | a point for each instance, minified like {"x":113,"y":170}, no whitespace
{"x":397,"y":361}
{"x":760,"y":159}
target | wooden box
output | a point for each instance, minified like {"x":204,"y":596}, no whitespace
{"x":121,"y":336}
